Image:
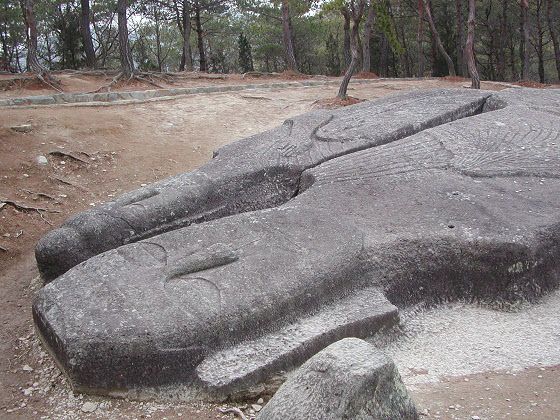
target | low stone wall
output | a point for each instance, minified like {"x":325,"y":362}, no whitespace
{"x":145,"y":95}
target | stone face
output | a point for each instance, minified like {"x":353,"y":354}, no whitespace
{"x":259,"y":172}
{"x":466,"y":209}
{"x":349,"y":379}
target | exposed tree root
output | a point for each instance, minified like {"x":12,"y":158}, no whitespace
{"x":198,"y":75}
{"x":50,"y":81}
{"x":166,"y":77}
{"x":262,"y":98}
{"x":109,"y":85}
{"x":25,"y":80}
{"x":92,"y":72}
{"x":66,"y":182}
{"x":144,"y":77}
{"x":333,"y":103}
{"x":147,"y":80}
{"x":39,"y":194}
{"x":25,"y":207}
{"x":43,"y":218}
{"x":62,"y":154}
{"x":259,"y":74}
{"x":236,"y":411}
{"x":17,"y":82}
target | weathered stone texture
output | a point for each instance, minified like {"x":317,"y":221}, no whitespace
{"x":349,"y":379}
{"x":469,"y":208}
{"x":259,"y":172}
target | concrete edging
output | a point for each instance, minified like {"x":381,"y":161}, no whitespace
{"x":127,"y":97}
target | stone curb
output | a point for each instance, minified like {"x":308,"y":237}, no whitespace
{"x":122,"y":98}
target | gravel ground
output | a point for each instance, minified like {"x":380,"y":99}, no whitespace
{"x":460,"y":339}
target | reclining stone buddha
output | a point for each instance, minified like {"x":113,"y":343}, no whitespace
{"x":211,"y":283}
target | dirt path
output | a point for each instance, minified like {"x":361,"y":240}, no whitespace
{"x":119,"y":148}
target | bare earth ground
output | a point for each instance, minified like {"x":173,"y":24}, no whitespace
{"x":459,"y":361}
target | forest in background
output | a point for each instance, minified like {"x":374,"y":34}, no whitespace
{"x":512,"y":39}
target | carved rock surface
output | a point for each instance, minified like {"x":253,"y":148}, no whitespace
{"x":466,"y":209}
{"x":259,"y":172}
{"x":349,"y":379}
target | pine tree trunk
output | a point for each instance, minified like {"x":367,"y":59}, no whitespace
{"x":525,"y":39}
{"x":366,"y":54}
{"x":127,"y":64}
{"x":18,"y":62}
{"x":360,"y":50}
{"x":553,"y":36}
{"x":406,"y":60}
{"x":187,"y":53}
{"x":501,"y":53}
{"x":540,"y":43}
{"x":469,"y":48}
{"x":342,"y":91}
{"x":433,"y":56}
{"x":183,"y":18}
{"x":383,"y":56}
{"x":200,"y":40}
{"x":420,"y":38}
{"x":158,"y":39}
{"x":33,"y":63}
{"x":441,"y":48}
{"x":347,"y":43}
{"x":460,"y":23}
{"x":287,"y":37}
{"x":357,"y":14}
{"x":512,"y":61}
{"x":492,"y":52}
{"x":5,"y":61}
{"x":49,"y":52}
{"x":4,"y":36}
{"x":86,"y":34}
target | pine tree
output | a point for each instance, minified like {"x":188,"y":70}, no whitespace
{"x":245,"y":56}
{"x":333,"y":58}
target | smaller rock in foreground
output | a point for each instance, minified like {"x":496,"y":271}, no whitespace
{"x":42,"y":160}
{"x":350,"y":379}
{"x":23,"y":128}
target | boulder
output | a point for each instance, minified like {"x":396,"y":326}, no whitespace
{"x":349,"y":379}
{"x":466,"y":209}
{"x":259,"y":172}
